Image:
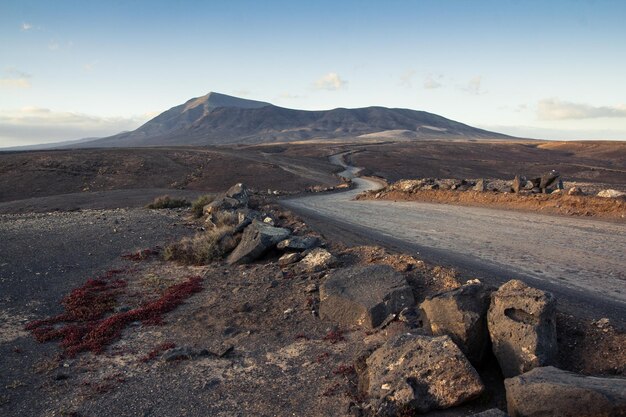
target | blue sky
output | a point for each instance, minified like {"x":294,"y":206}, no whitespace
{"x":71,"y":69}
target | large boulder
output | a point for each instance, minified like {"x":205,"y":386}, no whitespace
{"x":419,"y":373}
{"x":316,"y":260}
{"x":256,"y":239}
{"x":518,"y":183}
{"x":549,"y":391}
{"x":522,"y":326}
{"x":462,"y":315}
{"x":240,"y":193}
{"x":299,"y":243}
{"x":364,"y":295}
{"x":549,"y":179}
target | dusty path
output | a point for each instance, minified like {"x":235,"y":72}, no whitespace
{"x":579,"y":258}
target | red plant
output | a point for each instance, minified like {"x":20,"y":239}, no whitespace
{"x":322,"y":357}
{"x":334,"y":336}
{"x":89,"y":331}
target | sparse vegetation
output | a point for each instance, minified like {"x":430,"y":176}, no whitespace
{"x":167,"y":202}
{"x":202,"y":248}
{"x":197,"y":206}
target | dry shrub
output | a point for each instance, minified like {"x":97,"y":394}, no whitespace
{"x":166,"y":202}
{"x":225,"y":218}
{"x":197,"y":207}
{"x":203,"y":247}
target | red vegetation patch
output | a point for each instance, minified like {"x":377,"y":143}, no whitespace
{"x":88,"y":330}
{"x":344,"y":370}
{"x":334,"y":336}
{"x":157,"y":351}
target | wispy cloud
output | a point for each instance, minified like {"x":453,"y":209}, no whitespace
{"x":474,"y":86}
{"x":14,"y":78}
{"x":331,"y":81}
{"x":26,"y":26}
{"x":288,"y":96}
{"x":554,"y":109}
{"x":53,"y":45}
{"x":432,"y":81}
{"x":406,"y":78}
{"x":31,"y":125}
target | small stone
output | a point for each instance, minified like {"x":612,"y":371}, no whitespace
{"x":311,"y":288}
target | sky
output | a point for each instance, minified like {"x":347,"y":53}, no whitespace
{"x":545,"y":69}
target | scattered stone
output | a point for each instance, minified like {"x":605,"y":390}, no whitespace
{"x":299,"y":243}
{"x":611,"y":194}
{"x":462,"y":315}
{"x":317,"y":260}
{"x":574,"y":191}
{"x":311,"y":288}
{"x":257,"y":239}
{"x":548,"y":180}
{"x":419,"y":373}
{"x":364,"y":295}
{"x":549,"y":391}
{"x":179,"y":353}
{"x":481,"y":186}
{"x":602,"y":323}
{"x":240,"y":193}
{"x":522,"y":325}
{"x":518,"y":183}
{"x":492,"y":412}
{"x":288,"y":259}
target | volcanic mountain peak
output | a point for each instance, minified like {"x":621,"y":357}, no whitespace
{"x":213,"y":100}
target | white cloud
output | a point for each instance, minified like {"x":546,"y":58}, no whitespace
{"x":26,"y":26}
{"x":53,"y":45}
{"x":554,"y":109}
{"x":290,"y":96}
{"x":31,"y":125}
{"x":474,"y":86}
{"x":431,"y":82}
{"x":331,"y":81}
{"x":406,"y":78}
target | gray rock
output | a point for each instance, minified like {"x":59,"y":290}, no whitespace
{"x":492,"y":412}
{"x":364,"y":296}
{"x":522,"y":327}
{"x":462,"y":315}
{"x":299,"y":243}
{"x":222,"y":204}
{"x":574,"y":191}
{"x":317,"y":260}
{"x":518,"y":183}
{"x":256,"y":240}
{"x":481,"y":186}
{"x":549,"y":391}
{"x":288,"y":259}
{"x":240,"y":193}
{"x":419,"y":373}
{"x":548,"y":179}
{"x":177,"y":354}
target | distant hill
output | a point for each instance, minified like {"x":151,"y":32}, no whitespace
{"x":217,"y":119}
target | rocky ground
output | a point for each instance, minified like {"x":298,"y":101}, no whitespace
{"x":268,"y":328}
{"x":574,"y":199}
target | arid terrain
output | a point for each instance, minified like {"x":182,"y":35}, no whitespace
{"x":161,"y":337}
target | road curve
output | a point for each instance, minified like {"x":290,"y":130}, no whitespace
{"x":582,"y":258}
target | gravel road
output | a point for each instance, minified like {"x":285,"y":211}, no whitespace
{"x":581,"y":258}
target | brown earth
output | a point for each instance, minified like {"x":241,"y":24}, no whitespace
{"x":559,"y":203}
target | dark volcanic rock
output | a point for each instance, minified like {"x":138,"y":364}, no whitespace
{"x":462,"y":315}
{"x":549,"y":391}
{"x":419,"y":373}
{"x":364,"y":296}
{"x":257,"y":239}
{"x":299,"y":243}
{"x":522,"y":326}
{"x":492,"y":412}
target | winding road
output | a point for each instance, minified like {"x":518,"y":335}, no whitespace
{"x":582,"y":261}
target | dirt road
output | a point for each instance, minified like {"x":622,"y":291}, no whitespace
{"x":580,"y":258}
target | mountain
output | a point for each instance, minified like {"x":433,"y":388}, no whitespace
{"x":217,"y":119}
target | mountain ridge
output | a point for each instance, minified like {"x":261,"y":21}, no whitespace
{"x":220,"y":119}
